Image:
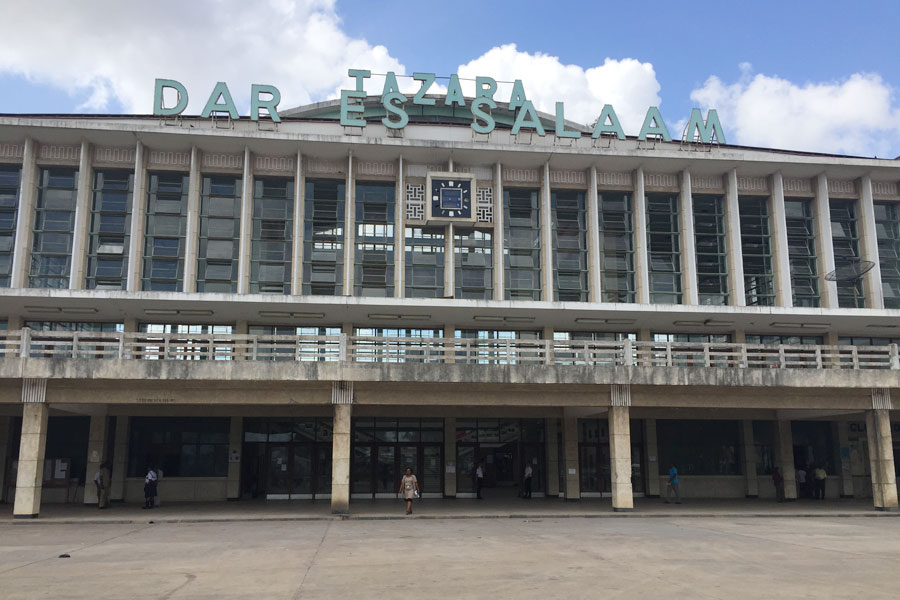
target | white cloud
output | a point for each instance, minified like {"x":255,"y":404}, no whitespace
{"x":857,"y":115}
{"x":628,"y":84}
{"x":105,"y":50}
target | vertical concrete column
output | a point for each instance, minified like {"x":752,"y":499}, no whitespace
{"x":246,"y":230}
{"x":138,"y":220}
{"x":641,"y":255}
{"x":4,"y":454}
{"x":868,"y":242}
{"x":235,"y":439}
{"x":299,"y":217}
{"x":781,"y":263}
{"x":450,"y":457}
{"x":120,"y":459}
{"x":734,"y":259}
{"x":824,"y":244}
{"x":749,"y":455}
{"x":350,"y":229}
{"x":31,"y":456}
{"x":25,"y":216}
{"x":449,"y":262}
{"x":82,"y":213}
{"x":340,"y":459}
{"x":96,"y":454}
{"x":881,"y":456}
{"x":688,"y":245}
{"x":547,"y":291}
{"x":499,"y":233}
{"x":192,"y":224}
{"x":843,"y":436}
{"x":784,"y":442}
{"x":570,"y":446}
{"x":593,"y":227}
{"x":551,"y":456}
{"x":400,"y":236}
{"x":620,"y":458}
{"x":652,"y":454}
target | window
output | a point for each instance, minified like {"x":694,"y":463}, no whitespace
{"x":166,"y":227}
{"x":759,"y":286}
{"x":570,"y":277}
{"x":709,"y":233}
{"x":845,"y":240}
{"x":616,"y":247}
{"x":292,"y":349}
{"x":593,"y":455}
{"x":698,"y":447}
{"x":51,"y":254}
{"x":801,"y":235}
{"x":182,"y":447}
{"x":488,"y":346}
{"x":857,"y":340}
{"x":566,"y":353}
{"x":220,"y":230}
{"x":664,"y":249}
{"x":693,"y":338}
{"x":424,"y":262}
{"x":323,"y":241}
{"x":374,"y":268}
{"x":522,"y":247}
{"x":9,"y":210}
{"x":408,"y":350}
{"x":887,"y":231}
{"x":189,"y":342}
{"x":474,"y":263}
{"x":271,"y":250}
{"x":110,"y":229}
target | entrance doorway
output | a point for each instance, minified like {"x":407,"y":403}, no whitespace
{"x":287,"y":459}
{"x":504,"y":447}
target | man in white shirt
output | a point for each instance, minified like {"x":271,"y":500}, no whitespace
{"x":528,"y":474}
{"x":479,"y":480}
{"x":149,"y":487}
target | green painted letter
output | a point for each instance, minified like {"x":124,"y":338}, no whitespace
{"x":270,"y":105}
{"x":654,"y":125}
{"x":346,"y":108}
{"x":390,"y":84}
{"x":388,"y":101}
{"x":454,"y":92}
{"x":478,"y":113}
{"x":359,"y":75}
{"x":601,"y":127}
{"x":517,"y":97}
{"x":561,"y":130}
{"x":427,"y":80}
{"x":527,"y":117}
{"x":706,"y":130}
{"x":180,"y":104}
{"x":212,"y":105}
{"x":485,"y":92}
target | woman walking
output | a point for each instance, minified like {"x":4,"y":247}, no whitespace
{"x":409,"y":487}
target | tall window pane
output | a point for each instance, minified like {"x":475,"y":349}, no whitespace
{"x":54,"y":220}
{"x":474,"y":263}
{"x":801,"y":235}
{"x":570,"y":279}
{"x":323,"y":241}
{"x":522,"y":244}
{"x":664,"y":248}
{"x":424,"y":262}
{"x":887,"y":230}
{"x":220,"y":230}
{"x":273,"y":218}
{"x":709,"y":232}
{"x":756,"y":250}
{"x":9,"y":208}
{"x":845,"y":241}
{"x":167,"y":199}
{"x":110,"y":227}
{"x":374,"y":268}
{"x":616,"y":247}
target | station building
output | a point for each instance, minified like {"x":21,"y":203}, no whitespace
{"x":299,"y":310}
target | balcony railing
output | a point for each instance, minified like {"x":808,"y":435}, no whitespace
{"x":366,"y":349}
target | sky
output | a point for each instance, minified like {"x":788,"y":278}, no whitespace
{"x":821,"y":76}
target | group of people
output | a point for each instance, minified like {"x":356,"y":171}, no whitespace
{"x":810,"y":485}
{"x":103,"y":482}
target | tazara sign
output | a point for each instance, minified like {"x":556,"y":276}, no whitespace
{"x":267,"y":97}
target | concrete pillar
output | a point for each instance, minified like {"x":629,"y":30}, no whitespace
{"x":31,"y":458}
{"x":192,"y":223}
{"x":824,"y":244}
{"x":4,"y":455}
{"x":547,"y":291}
{"x":734,"y":258}
{"x":340,"y":460}
{"x":96,"y":454}
{"x":499,"y":279}
{"x":881,"y":459}
{"x":81,"y":227}
{"x":843,"y":436}
{"x":299,"y":217}
{"x":868,"y":245}
{"x":246,"y":230}
{"x":652,"y":458}
{"x":784,"y":442}
{"x":593,"y":228}
{"x":450,"y":457}
{"x":551,"y":457}
{"x":570,"y":447}
{"x":235,"y":439}
{"x":749,"y":455}
{"x":138,"y":221}
{"x":350,"y":229}
{"x":120,"y":460}
{"x":25,"y":216}
{"x":400,"y":238}
{"x":620,"y":458}
{"x":449,"y":261}
{"x":781,"y":262}
{"x":641,"y":255}
{"x":688,"y":246}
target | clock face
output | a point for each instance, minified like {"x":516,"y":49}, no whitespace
{"x":451,"y":198}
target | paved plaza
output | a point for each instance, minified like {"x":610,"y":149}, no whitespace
{"x":713,"y":556}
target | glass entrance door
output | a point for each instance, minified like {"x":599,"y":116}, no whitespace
{"x":279,"y":477}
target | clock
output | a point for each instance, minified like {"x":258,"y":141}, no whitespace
{"x":450,"y":197}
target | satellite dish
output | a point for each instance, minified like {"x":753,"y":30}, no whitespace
{"x":850,"y":270}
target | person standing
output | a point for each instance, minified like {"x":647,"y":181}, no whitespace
{"x":527,"y":487}
{"x":801,"y":482}
{"x":149,"y":487}
{"x":102,"y":480}
{"x":672,"y":485}
{"x":819,"y":475}
{"x":479,"y":480}
{"x":778,"y":480}
{"x":409,"y":487}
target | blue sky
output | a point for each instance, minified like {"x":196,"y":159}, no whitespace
{"x":819,"y":76}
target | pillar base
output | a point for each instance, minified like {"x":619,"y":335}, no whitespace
{"x":34,"y":516}
{"x":880,"y":508}
{"x":626,"y":510}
